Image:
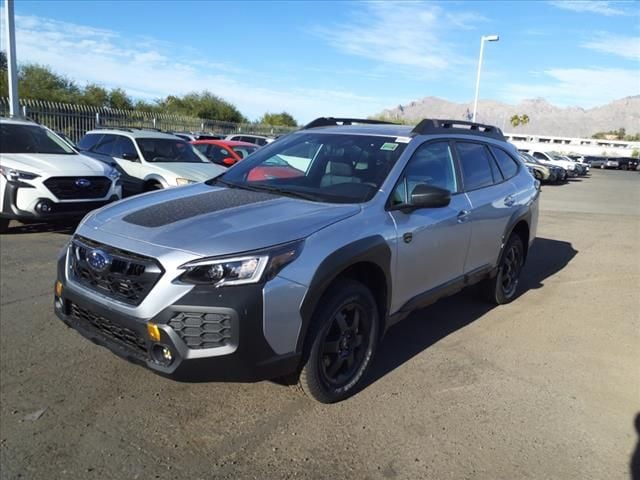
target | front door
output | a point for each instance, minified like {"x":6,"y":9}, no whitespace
{"x":431,"y":242}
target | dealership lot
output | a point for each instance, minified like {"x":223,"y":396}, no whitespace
{"x":545,"y":387}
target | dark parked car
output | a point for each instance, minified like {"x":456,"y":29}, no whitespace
{"x":627,"y":163}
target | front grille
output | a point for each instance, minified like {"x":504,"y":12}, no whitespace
{"x":72,"y":188}
{"x":116,"y":332}
{"x":203,"y":330}
{"x":127,"y":277}
{"x":76,"y":207}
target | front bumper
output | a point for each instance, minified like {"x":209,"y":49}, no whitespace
{"x":26,"y":208}
{"x":239,"y":351}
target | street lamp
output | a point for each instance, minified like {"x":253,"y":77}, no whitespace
{"x":484,"y":38}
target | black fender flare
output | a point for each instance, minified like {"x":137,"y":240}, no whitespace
{"x":522,"y":213}
{"x":373,"y":249}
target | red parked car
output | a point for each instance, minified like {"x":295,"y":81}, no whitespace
{"x":224,"y":152}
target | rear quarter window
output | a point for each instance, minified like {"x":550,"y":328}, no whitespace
{"x":508,"y":166}
{"x":475,"y":166}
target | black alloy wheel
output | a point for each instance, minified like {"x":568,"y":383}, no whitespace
{"x":345,"y":344}
{"x":341,"y":342}
{"x":503,"y":287}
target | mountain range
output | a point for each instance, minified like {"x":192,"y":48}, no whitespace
{"x":544,"y":118}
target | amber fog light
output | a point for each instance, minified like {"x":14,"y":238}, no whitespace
{"x":58,"y":289}
{"x":153,"y":331}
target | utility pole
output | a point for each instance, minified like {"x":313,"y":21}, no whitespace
{"x":14,"y":105}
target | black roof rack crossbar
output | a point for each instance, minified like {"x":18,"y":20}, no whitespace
{"x":333,"y":121}
{"x":434,"y":126}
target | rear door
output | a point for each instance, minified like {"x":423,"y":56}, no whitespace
{"x":431,"y":242}
{"x":492,"y":203}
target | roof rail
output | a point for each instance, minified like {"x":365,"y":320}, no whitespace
{"x":126,"y":128}
{"x":433,"y":126}
{"x":332,"y":122}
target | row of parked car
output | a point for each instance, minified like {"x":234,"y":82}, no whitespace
{"x":45,"y":175}
{"x":552,"y":167}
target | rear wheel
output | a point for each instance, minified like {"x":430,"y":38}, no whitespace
{"x":342,"y":342}
{"x":4,"y":225}
{"x":503,"y":287}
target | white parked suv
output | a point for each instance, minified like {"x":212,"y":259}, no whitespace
{"x":148,"y":159}
{"x":257,"y":139}
{"x":43,"y":178}
{"x":551,"y":158}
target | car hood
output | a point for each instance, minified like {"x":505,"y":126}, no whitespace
{"x":40,"y":163}
{"x":212,"y":221}
{"x":190,"y":170}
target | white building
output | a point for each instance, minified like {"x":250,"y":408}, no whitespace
{"x":578,"y":146}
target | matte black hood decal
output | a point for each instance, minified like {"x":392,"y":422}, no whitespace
{"x":182,"y":208}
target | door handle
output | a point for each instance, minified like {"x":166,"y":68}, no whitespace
{"x":509,"y":201}
{"x":463,"y":216}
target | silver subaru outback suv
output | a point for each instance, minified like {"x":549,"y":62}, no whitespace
{"x":297,"y":260}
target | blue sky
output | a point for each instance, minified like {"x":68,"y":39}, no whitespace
{"x":339,"y":58}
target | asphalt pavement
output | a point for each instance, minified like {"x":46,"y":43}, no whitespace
{"x":547,"y":387}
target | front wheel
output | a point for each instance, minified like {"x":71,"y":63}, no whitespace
{"x":503,"y":287}
{"x":342,"y":342}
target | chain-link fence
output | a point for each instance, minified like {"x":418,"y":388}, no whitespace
{"x":74,"y":120}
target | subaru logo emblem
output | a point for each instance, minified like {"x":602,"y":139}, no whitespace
{"x":98,"y":260}
{"x":83,"y":183}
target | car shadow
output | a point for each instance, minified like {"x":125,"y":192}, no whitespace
{"x":66,"y":227}
{"x":635,"y":458}
{"x":427,"y":326}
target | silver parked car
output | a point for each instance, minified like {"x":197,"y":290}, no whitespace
{"x":299,"y":258}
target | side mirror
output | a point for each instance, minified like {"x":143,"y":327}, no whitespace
{"x":426,"y":196}
{"x":229,"y":161}
{"x":130,"y":156}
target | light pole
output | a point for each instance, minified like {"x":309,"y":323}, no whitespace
{"x":14,"y":106}
{"x":487,"y":38}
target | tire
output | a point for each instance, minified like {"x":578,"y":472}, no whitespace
{"x":342,"y":342}
{"x":503,"y":287}
{"x":153,"y":186}
{"x":4,"y":225}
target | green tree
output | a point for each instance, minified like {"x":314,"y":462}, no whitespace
{"x":204,"y":105}
{"x":519,"y":120}
{"x":635,"y":153}
{"x":278,"y":119}
{"x":94,"y":95}
{"x":40,"y":83}
{"x":118,"y":98}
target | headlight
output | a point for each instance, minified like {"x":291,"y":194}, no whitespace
{"x":240,"y":270}
{"x":14,"y":175}
{"x":184,"y":181}
{"x":114,"y":174}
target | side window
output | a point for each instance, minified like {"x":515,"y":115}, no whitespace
{"x":89,"y":141}
{"x":123,"y":145}
{"x":475,"y":165}
{"x":508,"y":165}
{"x":105,"y":145}
{"x":202,"y":148}
{"x":218,"y":154}
{"x":539,"y":156}
{"x":432,"y":163}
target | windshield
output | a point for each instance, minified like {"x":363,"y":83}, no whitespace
{"x":557,"y":156}
{"x":335,"y":168}
{"x":169,"y":150}
{"x":245,"y":150}
{"x":17,"y":138}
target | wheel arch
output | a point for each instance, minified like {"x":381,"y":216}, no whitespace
{"x":368,"y":261}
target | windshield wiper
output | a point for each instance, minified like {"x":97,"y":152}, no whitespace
{"x":281,"y":191}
